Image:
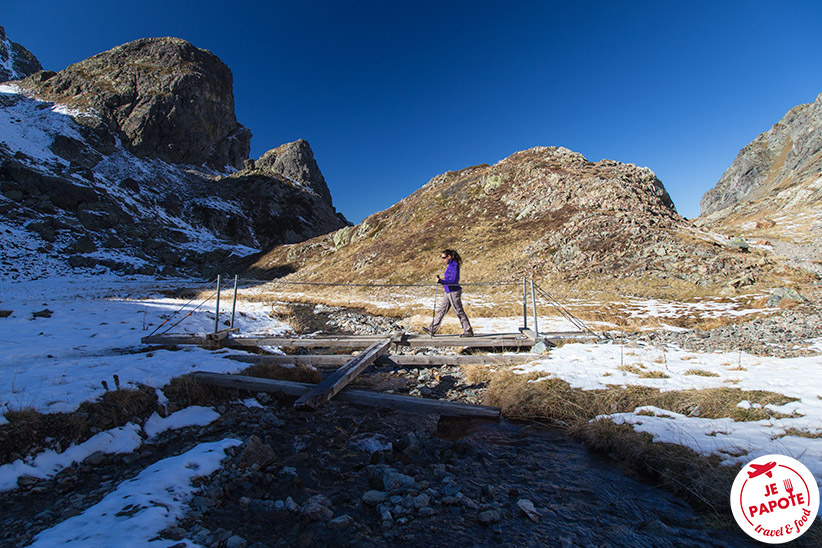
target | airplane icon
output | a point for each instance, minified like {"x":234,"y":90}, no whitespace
{"x":760,"y":469}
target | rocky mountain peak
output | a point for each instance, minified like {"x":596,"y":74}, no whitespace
{"x":295,"y":161}
{"x":773,"y":189}
{"x":163,"y":96}
{"x":789,"y":149}
{"x":567,"y":178}
{"x":15,"y":61}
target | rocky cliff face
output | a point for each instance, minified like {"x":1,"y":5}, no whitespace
{"x":774,"y":186}
{"x":15,"y":61}
{"x":110,"y":172}
{"x":546,"y":210}
{"x":164,"y":97}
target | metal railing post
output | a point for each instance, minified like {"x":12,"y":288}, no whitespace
{"x":234,"y":303}
{"x":217,"y":311}
{"x":524,"y":304}
{"x":534,"y":301}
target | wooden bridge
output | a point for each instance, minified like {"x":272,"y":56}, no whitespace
{"x":525,"y":339}
{"x":375,"y":351}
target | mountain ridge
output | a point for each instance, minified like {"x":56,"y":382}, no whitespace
{"x":82,"y":184}
{"x":545,"y":211}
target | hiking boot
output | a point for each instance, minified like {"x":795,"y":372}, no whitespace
{"x":467,"y":335}
{"x":428,"y":331}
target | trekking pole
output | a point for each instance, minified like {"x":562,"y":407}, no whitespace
{"x":234,"y":303}
{"x":534,"y":301}
{"x":434,"y":308}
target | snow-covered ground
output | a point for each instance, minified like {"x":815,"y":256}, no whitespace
{"x":93,"y":332}
{"x":54,"y":363}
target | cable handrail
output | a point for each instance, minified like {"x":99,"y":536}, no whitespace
{"x":179,"y":310}
{"x":192,"y":311}
{"x":579,"y":324}
{"x":565,"y":313}
{"x":499,"y":283}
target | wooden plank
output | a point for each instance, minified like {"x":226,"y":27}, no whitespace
{"x":529,"y":333}
{"x":396,"y":360}
{"x":348,"y":395}
{"x":306,"y":342}
{"x":495,"y":340}
{"x":564,"y":337}
{"x":221,"y":335}
{"x":253,"y":342}
{"x":331,"y":385}
{"x":177,"y":338}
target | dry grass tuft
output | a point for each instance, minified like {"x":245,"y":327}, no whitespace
{"x":299,"y":373}
{"x":554,"y":399}
{"x":802,"y":433}
{"x":27,"y":431}
{"x":654,"y":375}
{"x":477,"y":374}
{"x":122,"y":405}
{"x":299,"y":316}
{"x":700,"y":373}
{"x":185,"y":391}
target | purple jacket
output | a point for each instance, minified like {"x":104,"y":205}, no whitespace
{"x":451,"y":278}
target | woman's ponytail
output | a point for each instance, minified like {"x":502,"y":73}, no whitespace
{"x":454,"y":255}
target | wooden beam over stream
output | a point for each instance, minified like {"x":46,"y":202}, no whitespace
{"x":358,"y":397}
{"x":331,"y":385}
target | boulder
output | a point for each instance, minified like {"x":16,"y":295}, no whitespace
{"x":739,"y":243}
{"x":256,"y":453}
{"x":317,"y":507}
{"x":528,"y":509}
{"x":784,"y":293}
{"x":83,"y":244}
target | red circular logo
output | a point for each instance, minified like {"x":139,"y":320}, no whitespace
{"x":775,"y":499}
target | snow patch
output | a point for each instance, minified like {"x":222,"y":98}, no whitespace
{"x":139,"y":508}
{"x":48,"y":463}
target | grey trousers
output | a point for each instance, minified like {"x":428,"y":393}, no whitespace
{"x":452,"y":299}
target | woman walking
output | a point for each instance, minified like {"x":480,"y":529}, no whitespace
{"x":453,"y":294}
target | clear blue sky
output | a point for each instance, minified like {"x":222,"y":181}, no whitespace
{"x":390,"y":94}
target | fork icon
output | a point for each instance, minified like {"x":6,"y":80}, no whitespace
{"x":788,"y":486}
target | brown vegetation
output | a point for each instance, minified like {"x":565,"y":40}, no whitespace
{"x":700,"y":479}
{"x":28,"y":432}
{"x":297,"y":373}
